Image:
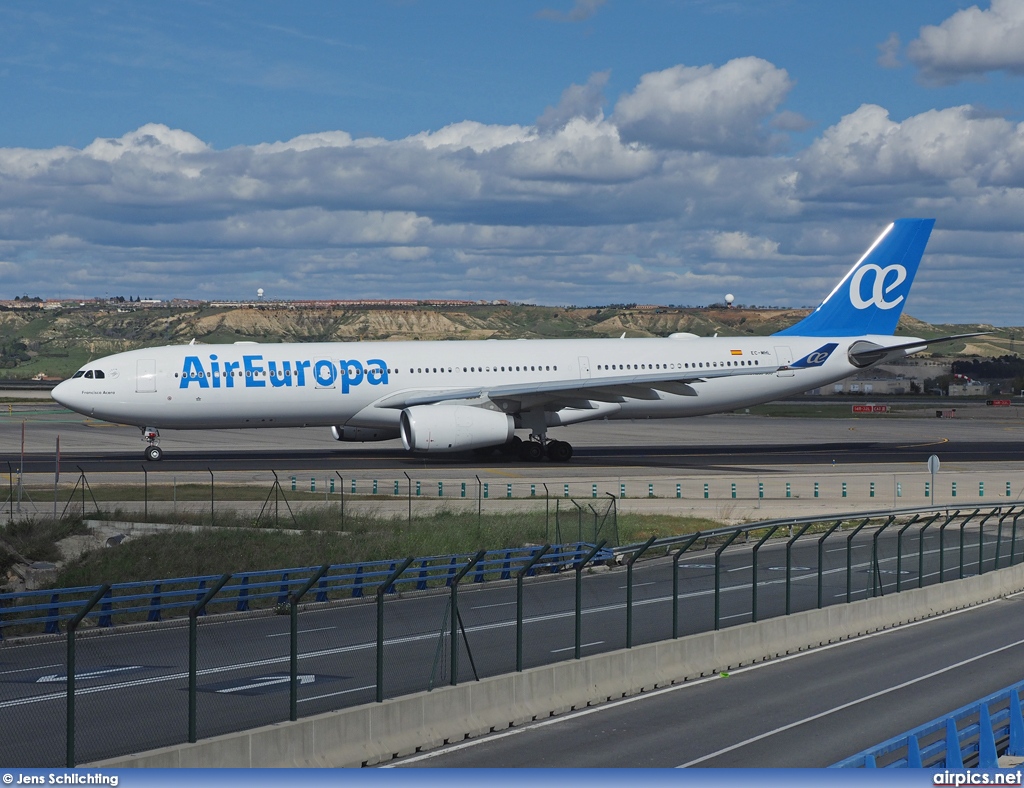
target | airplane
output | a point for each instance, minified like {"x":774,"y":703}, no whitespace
{"x":455,"y":396}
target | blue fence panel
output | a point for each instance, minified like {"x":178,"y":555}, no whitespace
{"x":970,"y":734}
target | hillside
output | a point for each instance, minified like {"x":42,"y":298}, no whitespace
{"x":56,"y":342}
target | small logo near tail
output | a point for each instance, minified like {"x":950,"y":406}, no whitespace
{"x":815,"y":358}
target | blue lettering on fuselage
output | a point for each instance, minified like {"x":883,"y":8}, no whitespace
{"x":255,"y":371}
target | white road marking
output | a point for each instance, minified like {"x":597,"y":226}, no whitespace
{"x":301,"y":632}
{"x":83,"y":676}
{"x":849,"y":704}
{"x":37,"y":667}
{"x":582,"y":645}
{"x":342,"y":692}
{"x":267,"y":681}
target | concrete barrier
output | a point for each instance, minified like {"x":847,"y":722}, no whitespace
{"x":380,"y":731}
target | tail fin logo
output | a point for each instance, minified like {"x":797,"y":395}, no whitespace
{"x":879,"y":288}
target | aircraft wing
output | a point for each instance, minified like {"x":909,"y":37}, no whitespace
{"x":614,"y":388}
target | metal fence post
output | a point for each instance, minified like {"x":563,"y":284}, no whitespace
{"x":212,"y":514}
{"x":920,"y":549}
{"x":341,"y":491}
{"x":675,"y":582}
{"x":293,"y":660}
{"x":193,"y":652}
{"x":789,"y":562}
{"x":1013,"y":538}
{"x":753,"y":570}
{"x":821,"y":563}
{"x":455,"y":614}
{"x":579,"y":594}
{"x":519,"y":604}
{"x":72,"y":626}
{"x":981,"y":541}
{"x":942,"y":545}
{"x":849,"y":558}
{"x":145,"y":494}
{"x":718,"y":574}
{"x":479,"y":505}
{"x":381,"y":590}
{"x":875,"y":571}
{"x":999,"y":537}
{"x":629,"y":590}
{"x":408,"y":480}
{"x":899,"y":552}
{"x":963,"y":525}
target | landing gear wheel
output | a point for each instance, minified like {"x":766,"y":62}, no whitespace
{"x":559,"y":451}
{"x":531,"y":451}
{"x":154,"y":453}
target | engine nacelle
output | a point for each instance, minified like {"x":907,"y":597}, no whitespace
{"x":443,"y":428}
{"x":364,"y":434}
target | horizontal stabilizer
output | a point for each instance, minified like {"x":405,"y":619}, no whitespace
{"x":863,"y":354}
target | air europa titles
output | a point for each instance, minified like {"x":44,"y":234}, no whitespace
{"x":254,"y":372}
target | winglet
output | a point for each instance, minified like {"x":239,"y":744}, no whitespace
{"x":871,"y":297}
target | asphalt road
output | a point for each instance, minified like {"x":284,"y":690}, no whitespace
{"x":810,"y":709}
{"x":133,"y":680}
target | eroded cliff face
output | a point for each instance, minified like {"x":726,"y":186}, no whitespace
{"x":59,"y":341}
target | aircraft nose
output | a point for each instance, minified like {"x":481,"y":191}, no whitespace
{"x":62,"y":394}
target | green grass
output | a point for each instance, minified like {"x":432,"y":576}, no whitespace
{"x":325,"y":539}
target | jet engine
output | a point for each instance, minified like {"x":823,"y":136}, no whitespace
{"x":443,"y":428}
{"x":363,"y":434}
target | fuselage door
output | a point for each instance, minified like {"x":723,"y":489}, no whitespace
{"x":145,"y":376}
{"x":325,"y":373}
{"x":784,"y":358}
{"x":585,"y":367}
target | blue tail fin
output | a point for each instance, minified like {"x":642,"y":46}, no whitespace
{"x":871,"y":297}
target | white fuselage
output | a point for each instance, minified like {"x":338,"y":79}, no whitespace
{"x":342,"y":384}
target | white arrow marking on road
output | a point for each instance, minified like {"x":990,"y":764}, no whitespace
{"x":268,"y":681}
{"x":94,"y":674}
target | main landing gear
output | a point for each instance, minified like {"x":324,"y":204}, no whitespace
{"x":538,"y":447}
{"x":151,"y":435}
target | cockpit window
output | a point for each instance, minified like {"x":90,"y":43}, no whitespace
{"x":78,"y":374}
{"x":89,"y":374}
{"x":99,"y":374}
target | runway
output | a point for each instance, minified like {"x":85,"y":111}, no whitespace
{"x":725,"y":441}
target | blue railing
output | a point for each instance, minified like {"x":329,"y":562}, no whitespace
{"x":974,"y":735}
{"x":175,"y":596}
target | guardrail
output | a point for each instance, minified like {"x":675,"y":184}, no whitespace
{"x":973,"y":736}
{"x":156,"y":598}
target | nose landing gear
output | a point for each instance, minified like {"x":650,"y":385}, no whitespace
{"x":151,"y":435}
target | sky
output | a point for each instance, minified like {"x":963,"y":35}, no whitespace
{"x":547,"y":151}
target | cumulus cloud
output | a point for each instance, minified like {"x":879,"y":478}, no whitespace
{"x":581,"y":11}
{"x":889,"y":52}
{"x":972,"y":42}
{"x":719,"y":109}
{"x":577,"y":101}
{"x":652,"y":204}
